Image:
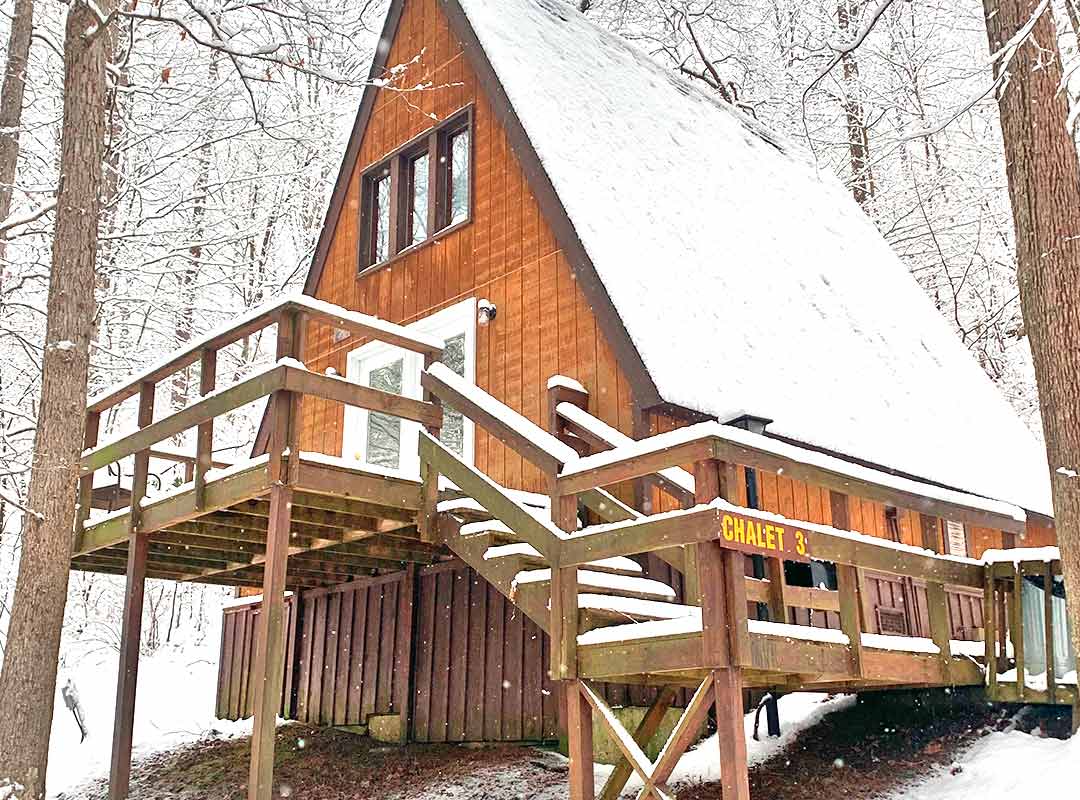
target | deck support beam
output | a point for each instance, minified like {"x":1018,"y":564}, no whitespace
{"x":131,"y":633}
{"x":579,"y":738}
{"x":268,"y":673}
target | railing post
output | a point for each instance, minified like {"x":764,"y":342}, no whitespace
{"x":721,"y":581}
{"x":204,"y":442}
{"x":937,"y":602}
{"x":142,"y":458}
{"x":429,"y":476}
{"x":1016,"y":631}
{"x":131,"y":627}
{"x":1048,"y":623}
{"x":564,"y":594}
{"x":86,"y":482}
{"x":990,"y":629}
{"x":847,"y":580}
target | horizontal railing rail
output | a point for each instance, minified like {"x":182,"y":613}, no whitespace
{"x":730,"y":445}
{"x":262,"y":317}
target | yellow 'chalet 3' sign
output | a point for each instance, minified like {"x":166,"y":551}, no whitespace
{"x":763,"y":537}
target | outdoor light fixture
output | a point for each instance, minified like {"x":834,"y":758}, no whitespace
{"x":486,"y":311}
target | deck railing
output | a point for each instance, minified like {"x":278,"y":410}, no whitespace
{"x":285,"y":382}
{"x":705,"y":536}
{"x":1029,"y":654}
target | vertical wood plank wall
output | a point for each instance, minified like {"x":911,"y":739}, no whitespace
{"x":235,"y":690}
{"x":507,"y":253}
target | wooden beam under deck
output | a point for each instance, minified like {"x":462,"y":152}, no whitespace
{"x":678,"y":659}
{"x":347,"y":523}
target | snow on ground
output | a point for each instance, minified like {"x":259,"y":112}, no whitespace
{"x":798,"y":712}
{"x":174,"y":705}
{"x":1003,"y":766}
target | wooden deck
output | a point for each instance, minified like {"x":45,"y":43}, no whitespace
{"x":294,"y":520}
{"x":347,"y":523}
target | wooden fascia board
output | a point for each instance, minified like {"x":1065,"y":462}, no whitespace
{"x":626,"y":354}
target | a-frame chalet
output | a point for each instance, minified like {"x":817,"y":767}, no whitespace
{"x":598,"y":395}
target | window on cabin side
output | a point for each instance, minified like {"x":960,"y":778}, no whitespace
{"x":452,"y":433}
{"x":418,"y":200}
{"x":458,"y":178}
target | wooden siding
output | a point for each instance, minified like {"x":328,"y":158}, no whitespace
{"x":235,"y":692}
{"x":507,"y":253}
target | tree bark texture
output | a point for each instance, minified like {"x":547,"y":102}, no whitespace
{"x":28,"y":680}
{"x":11,"y":102}
{"x":862,"y":177}
{"x":1044,"y":185}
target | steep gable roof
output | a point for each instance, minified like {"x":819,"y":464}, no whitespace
{"x":728,"y":274}
{"x":747,"y":282}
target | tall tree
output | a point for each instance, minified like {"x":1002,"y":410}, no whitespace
{"x":11,"y":102}
{"x":28,"y":680}
{"x":1044,"y":185}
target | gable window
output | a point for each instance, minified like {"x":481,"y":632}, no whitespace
{"x":417,"y":192}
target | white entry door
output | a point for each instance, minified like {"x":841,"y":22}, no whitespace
{"x":384,"y":442}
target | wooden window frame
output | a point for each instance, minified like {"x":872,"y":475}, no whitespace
{"x":435,"y":142}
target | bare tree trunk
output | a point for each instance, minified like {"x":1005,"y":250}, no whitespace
{"x":862,"y":177}
{"x":28,"y":681}
{"x":11,"y":102}
{"x":1044,"y":185}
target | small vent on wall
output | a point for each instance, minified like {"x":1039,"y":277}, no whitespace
{"x":892,"y":622}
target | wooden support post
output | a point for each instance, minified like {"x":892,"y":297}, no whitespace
{"x":850,"y":614}
{"x":990,"y":629}
{"x":429,"y":477}
{"x":705,"y":584}
{"x":579,"y":734}
{"x":1016,"y":632}
{"x":142,"y":458}
{"x":937,"y":603}
{"x":564,"y":596}
{"x":734,"y":768}
{"x":777,"y":590}
{"x":1048,"y":617}
{"x":269,"y":666}
{"x":644,"y":733}
{"x":204,"y":442}
{"x":131,"y":632}
{"x":86,"y":482}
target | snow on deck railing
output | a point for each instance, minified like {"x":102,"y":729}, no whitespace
{"x":521,"y":425}
{"x":319,"y":309}
{"x":1018,"y":555}
{"x":616,"y":438}
{"x":790,"y":452}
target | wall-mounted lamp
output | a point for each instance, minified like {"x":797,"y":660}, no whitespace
{"x":485,"y":311}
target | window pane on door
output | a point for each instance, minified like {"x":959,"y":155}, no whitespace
{"x":453,"y":428}
{"x":384,"y":431}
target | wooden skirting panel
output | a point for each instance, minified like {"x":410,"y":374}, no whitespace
{"x":353,"y":656}
{"x":235,"y":691}
{"x":445,"y":647}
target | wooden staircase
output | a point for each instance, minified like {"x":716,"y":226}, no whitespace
{"x":611,"y":591}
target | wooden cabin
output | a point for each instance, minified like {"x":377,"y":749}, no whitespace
{"x":561,"y":292}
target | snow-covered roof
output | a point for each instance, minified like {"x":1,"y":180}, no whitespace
{"x":748,"y":281}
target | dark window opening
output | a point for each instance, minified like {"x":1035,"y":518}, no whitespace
{"x":418,"y":200}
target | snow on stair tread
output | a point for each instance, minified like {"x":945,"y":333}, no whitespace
{"x":471,"y":504}
{"x":635,"y":607}
{"x":618,"y":563}
{"x":588,"y":579}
